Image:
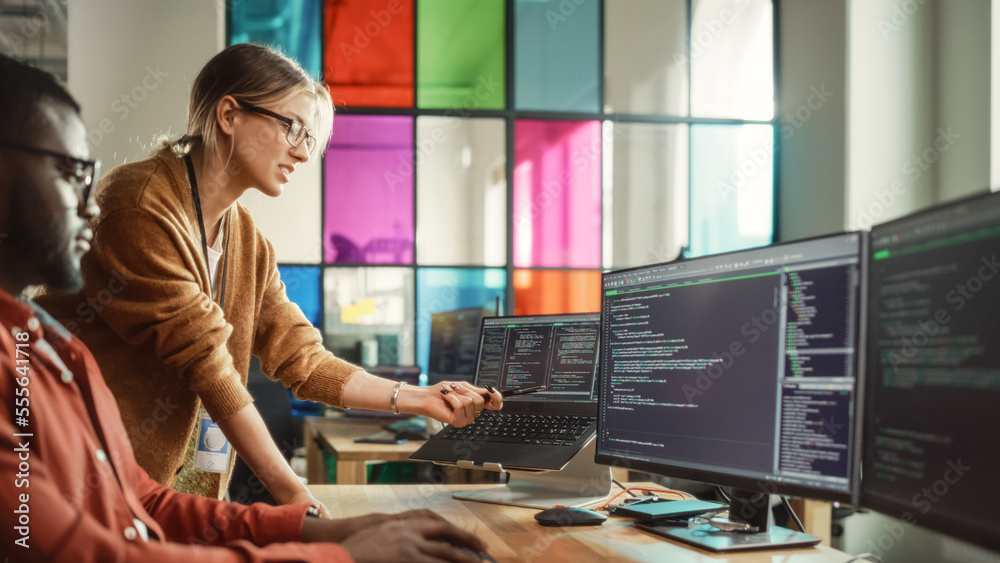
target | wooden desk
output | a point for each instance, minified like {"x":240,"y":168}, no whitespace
{"x":513,"y":535}
{"x":337,"y":435}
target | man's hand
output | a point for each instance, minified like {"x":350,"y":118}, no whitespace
{"x":414,"y":540}
{"x":338,"y":530}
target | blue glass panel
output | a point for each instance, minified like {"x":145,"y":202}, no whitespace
{"x":293,"y":26}
{"x":447,"y":289}
{"x":732,"y":187}
{"x":556,"y":55}
{"x":302,"y":284}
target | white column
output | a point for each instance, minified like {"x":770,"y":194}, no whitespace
{"x":812,"y":112}
{"x":995,"y":97}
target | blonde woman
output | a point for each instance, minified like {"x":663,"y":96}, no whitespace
{"x":181,"y":288}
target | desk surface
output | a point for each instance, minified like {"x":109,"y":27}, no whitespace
{"x":513,"y":535}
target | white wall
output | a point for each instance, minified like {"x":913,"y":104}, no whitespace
{"x":292,"y":221}
{"x":890,"y":110}
{"x":131,"y":65}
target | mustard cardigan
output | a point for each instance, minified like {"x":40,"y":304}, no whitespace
{"x":164,"y":346}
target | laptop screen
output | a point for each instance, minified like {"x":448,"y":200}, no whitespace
{"x":558,"y":352}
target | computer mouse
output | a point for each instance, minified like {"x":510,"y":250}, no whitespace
{"x":569,"y":516}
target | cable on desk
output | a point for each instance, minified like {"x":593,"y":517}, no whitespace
{"x":662,"y":491}
{"x":866,"y":557}
{"x":722,"y":493}
{"x":791,"y":513}
{"x":623,"y":487}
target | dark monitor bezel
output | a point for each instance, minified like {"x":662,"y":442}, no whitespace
{"x":850,"y":495}
{"x":433,"y":378}
{"x":932,"y":521}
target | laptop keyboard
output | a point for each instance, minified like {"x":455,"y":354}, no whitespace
{"x":522,"y":428}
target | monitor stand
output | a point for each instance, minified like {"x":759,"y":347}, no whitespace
{"x":750,"y":507}
{"x":578,"y":483}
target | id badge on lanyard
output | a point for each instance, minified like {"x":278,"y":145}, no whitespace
{"x":214,"y":450}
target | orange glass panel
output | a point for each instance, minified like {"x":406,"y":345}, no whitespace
{"x":556,"y":291}
{"x":369,"y":52}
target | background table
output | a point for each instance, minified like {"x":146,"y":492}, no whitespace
{"x":336,"y":435}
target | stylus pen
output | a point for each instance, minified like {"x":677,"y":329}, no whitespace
{"x":519,"y":391}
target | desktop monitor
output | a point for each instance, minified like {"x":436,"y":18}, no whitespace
{"x":454,"y":341}
{"x":932,"y":413}
{"x":741,"y":370}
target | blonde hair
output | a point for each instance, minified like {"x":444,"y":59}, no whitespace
{"x":254,"y":74}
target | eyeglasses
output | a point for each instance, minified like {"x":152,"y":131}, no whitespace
{"x":297,"y":132}
{"x":82,"y":174}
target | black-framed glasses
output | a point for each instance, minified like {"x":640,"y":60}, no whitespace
{"x":82,"y":174}
{"x":296,"y":133}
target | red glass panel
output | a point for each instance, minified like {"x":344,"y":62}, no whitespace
{"x":369,"y":52}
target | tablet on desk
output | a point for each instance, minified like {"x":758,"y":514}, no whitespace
{"x":668,"y":509}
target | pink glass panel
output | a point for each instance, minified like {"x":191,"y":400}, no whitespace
{"x":369,"y":190}
{"x":557,"y":194}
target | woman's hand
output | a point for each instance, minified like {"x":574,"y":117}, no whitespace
{"x":450,"y":402}
{"x":305,"y":497}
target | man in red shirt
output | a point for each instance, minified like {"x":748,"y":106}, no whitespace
{"x":70,"y":488}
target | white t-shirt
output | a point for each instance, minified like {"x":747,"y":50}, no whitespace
{"x":214,"y":256}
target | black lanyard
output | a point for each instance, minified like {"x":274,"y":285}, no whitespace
{"x":204,"y":239}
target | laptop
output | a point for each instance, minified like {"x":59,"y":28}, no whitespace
{"x":537,"y":431}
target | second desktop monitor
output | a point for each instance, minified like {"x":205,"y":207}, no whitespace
{"x":738,"y":369}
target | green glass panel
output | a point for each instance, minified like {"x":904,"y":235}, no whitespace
{"x":460,"y":54}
